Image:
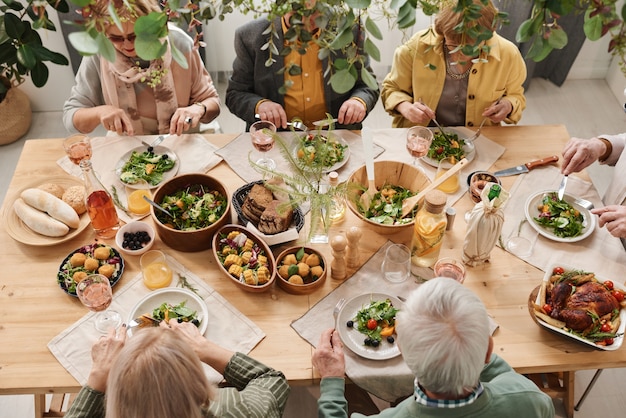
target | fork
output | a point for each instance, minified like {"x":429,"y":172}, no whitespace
{"x":338,"y":307}
{"x":477,"y":133}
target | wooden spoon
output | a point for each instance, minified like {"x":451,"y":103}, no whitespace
{"x":410,"y":202}
{"x":368,"y":150}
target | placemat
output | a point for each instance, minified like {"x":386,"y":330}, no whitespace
{"x":228,"y":327}
{"x":386,"y":379}
{"x":487,"y":153}
{"x":194,"y":152}
{"x":235,"y":153}
{"x":600,"y":252}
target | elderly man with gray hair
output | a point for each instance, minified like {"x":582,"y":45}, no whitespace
{"x":443,"y":334}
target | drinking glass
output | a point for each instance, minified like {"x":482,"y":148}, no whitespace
{"x":155,"y":270}
{"x":418,"y":140}
{"x":451,"y":185}
{"x":518,"y":245}
{"x":262,"y":133}
{"x":450,"y":267}
{"x":396,"y":266}
{"x":78,"y":148}
{"x":94,"y":291}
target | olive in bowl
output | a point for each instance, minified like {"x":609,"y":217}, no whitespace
{"x":301,"y":270}
{"x":135,"y":238}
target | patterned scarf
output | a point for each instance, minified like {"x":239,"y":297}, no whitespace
{"x":117,"y":88}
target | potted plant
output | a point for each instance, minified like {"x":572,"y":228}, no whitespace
{"x":22,"y":55}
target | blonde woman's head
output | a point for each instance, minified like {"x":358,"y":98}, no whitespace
{"x":159,"y":376}
{"x":447,"y":19}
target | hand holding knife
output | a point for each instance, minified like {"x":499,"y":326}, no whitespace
{"x":525,"y":168}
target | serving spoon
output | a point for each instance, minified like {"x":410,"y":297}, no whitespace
{"x":410,"y":202}
{"x":156,"y":206}
{"x":368,"y":149}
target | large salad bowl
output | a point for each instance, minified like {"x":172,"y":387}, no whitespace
{"x":188,"y":240}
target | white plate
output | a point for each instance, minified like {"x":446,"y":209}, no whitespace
{"x":622,"y":315}
{"x":157,"y":150}
{"x":470,"y":150}
{"x":335,"y":138}
{"x":173,"y":296}
{"x":531,"y":211}
{"x":353,"y":339}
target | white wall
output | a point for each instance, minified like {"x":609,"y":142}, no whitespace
{"x":592,"y":62}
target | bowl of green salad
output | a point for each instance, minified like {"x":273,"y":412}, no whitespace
{"x":395,"y":181}
{"x":199,"y":206}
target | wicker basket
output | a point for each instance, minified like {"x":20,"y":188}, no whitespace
{"x":16,"y":116}
{"x":240,"y":196}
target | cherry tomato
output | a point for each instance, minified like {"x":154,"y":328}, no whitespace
{"x":609,"y":341}
{"x":608,"y":284}
{"x":605,"y":327}
{"x":372,"y":324}
{"x":439,"y":150}
{"x":558,"y":270}
{"x":618,"y":295}
{"x":547,"y":309}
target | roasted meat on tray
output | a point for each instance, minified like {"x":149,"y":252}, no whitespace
{"x":574,"y":299}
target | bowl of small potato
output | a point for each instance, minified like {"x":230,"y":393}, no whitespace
{"x":301,"y":270}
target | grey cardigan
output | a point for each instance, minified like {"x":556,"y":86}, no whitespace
{"x":252,"y":81}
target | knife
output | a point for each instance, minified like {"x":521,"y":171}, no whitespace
{"x":562,"y":188}
{"x":525,"y":168}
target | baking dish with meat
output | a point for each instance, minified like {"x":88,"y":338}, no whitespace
{"x":583,"y":306}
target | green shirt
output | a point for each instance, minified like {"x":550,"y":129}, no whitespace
{"x":258,"y":391}
{"x":506,"y":394}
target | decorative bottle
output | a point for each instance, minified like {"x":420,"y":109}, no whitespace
{"x":99,"y":203}
{"x":429,"y":230}
{"x":338,"y":201}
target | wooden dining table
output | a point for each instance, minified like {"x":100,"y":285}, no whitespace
{"x":33,"y":308}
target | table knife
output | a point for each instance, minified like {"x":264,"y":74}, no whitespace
{"x":525,"y":168}
{"x":562,"y":188}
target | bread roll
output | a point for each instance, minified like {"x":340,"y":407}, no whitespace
{"x":53,"y":206}
{"x":52,"y":188}
{"x":75,"y":197}
{"x":38,"y":221}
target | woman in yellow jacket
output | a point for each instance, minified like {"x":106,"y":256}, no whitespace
{"x":431,"y":76}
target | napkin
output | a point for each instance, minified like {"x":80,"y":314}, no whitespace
{"x":600,"y":252}
{"x":386,"y":379}
{"x":285,"y":236}
{"x":235,"y":153}
{"x":228,"y":327}
{"x":194,"y":152}
{"x":487,"y":152}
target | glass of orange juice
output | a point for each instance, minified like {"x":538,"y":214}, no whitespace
{"x":136,"y":202}
{"x":451,"y":184}
{"x":155,"y":270}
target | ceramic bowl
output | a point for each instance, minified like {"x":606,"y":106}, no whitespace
{"x":225,"y":243}
{"x":189,"y":241}
{"x":133,"y":228}
{"x":385,"y":172}
{"x":312,"y":280}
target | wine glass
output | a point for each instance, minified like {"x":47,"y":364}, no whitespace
{"x":78,"y":148}
{"x":95,"y":293}
{"x":518,"y":245}
{"x":262,"y":134}
{"x":418,"y":140}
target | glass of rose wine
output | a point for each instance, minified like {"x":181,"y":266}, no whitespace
{"x":95,"y":293}
{"x":450,"y":267}
{"x":418,"y":140}
{"x":262,"y":134}
{"x":78,"y":148}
